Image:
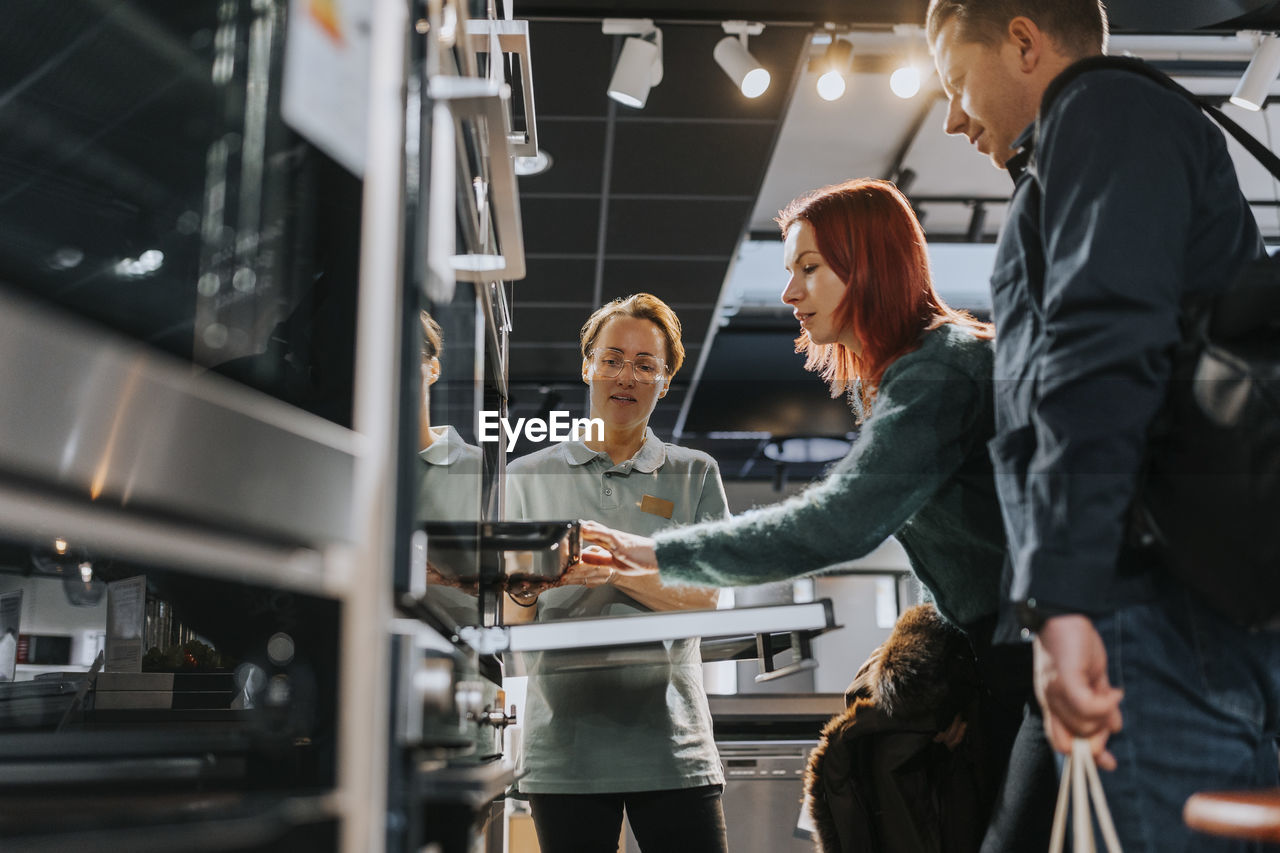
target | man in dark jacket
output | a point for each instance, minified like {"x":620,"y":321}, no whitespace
{"x":1125,"y":202}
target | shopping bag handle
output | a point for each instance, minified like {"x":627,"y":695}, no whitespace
{"x":1081,"y":787}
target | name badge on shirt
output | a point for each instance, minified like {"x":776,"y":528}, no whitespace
{"x":657,"y":506}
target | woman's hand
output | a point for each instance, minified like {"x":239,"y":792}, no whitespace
{"x":625,"y":553}
{"x":587,"y":574}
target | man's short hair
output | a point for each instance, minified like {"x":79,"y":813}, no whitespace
{"x":1077,"y":27}
{"x":643,"y":306}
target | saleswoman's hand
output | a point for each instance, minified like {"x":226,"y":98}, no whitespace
{"x":625,"y":553}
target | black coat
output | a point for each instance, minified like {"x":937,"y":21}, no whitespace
{"x":880,"y":780}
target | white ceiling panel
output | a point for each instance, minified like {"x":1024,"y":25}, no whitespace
{"x":950,"y":165}
{"x":864,"y":132}
{"x":824,"y":142}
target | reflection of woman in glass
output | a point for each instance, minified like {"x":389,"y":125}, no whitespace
{"x":872,"y":325}
{"x":449,"y":489}
{"x":450,"y":486}
{"x":601,"y":737}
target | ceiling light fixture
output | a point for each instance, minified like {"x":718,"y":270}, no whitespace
{"x":731,"y":53}
{"x":639,"y":66}
{"x":535,"y":165}
{"x":905,"y":82}
{"x":836,"y":61}
{"x":1251,"y":93}
{"x":903,"y":178}
{"x":145,"y":264}
{"x":806,"y":449}
{"x":977,"y":223}
{"x":65,"y":258}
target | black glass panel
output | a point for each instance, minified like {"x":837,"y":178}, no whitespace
{"x":147,"y":182}
{"x":135,"y":685}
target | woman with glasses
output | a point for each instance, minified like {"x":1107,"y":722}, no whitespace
{"x":919,"y":375}
{"x":601,"y":736}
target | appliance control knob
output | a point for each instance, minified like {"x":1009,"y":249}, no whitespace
{"x":498,"y":719}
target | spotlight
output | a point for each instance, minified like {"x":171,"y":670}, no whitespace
{"x":831,"y":86}
{"x":639,"y":66}
{"x":145,"y":264}
{"x":535,"y":165}
{"x":1251,"y":93}
{"x":633,"y":76}
{"x":835,"y":63}
{"x":905,"y":82}
{"x":732,"y":55}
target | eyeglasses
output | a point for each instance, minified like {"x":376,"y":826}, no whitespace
{"x":646,"y":369}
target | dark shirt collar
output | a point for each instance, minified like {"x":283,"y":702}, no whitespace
{"x":1023,"y":147}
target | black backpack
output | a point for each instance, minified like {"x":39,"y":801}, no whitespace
{"x":1208,"y":502}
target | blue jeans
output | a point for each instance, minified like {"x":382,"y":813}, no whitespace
{"x":1201,"y":712}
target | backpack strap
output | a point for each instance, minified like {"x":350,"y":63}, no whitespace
{"x":1124,"y":63}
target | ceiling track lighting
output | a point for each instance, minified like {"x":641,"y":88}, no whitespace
{"x":746,"y":72}
{"x":835,"y":64}
{"x":977,"y":223}
{"x":1251,"y":92}
{"x":907,"y":78}
{"x":535,"y":165}
{"x":837,"y":54}
{"x":903,"y":178}
{"x":905,"y":81}
{"x":639,"y":66}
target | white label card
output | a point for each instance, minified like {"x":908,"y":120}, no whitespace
{"x":126,"y":620}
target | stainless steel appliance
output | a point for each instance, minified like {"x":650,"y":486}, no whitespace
{"x":764,"y":742}
{"x":763,"y":795}
{"x":178,"y":276}
{"x":213,"y":377}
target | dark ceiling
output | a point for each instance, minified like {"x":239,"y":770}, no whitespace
{"x":637,"y":200}
{"x":1161,"y":16}
{"x":657,"y":199}
{"x":654,"y":199}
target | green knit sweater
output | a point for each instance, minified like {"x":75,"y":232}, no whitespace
{"x":918,"y":470}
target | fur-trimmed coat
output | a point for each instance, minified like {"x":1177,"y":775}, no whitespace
{"x":885,"y":777}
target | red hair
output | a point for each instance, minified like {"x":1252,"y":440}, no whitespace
{"x":869,"y":236}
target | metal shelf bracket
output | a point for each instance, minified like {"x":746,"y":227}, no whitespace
{"x":486,"y":101}
{"x":510,"y":37}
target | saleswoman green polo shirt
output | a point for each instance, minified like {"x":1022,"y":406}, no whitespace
{"x":593,"y":724}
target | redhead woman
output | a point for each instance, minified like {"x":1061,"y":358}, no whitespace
{"x":919,"y":374}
